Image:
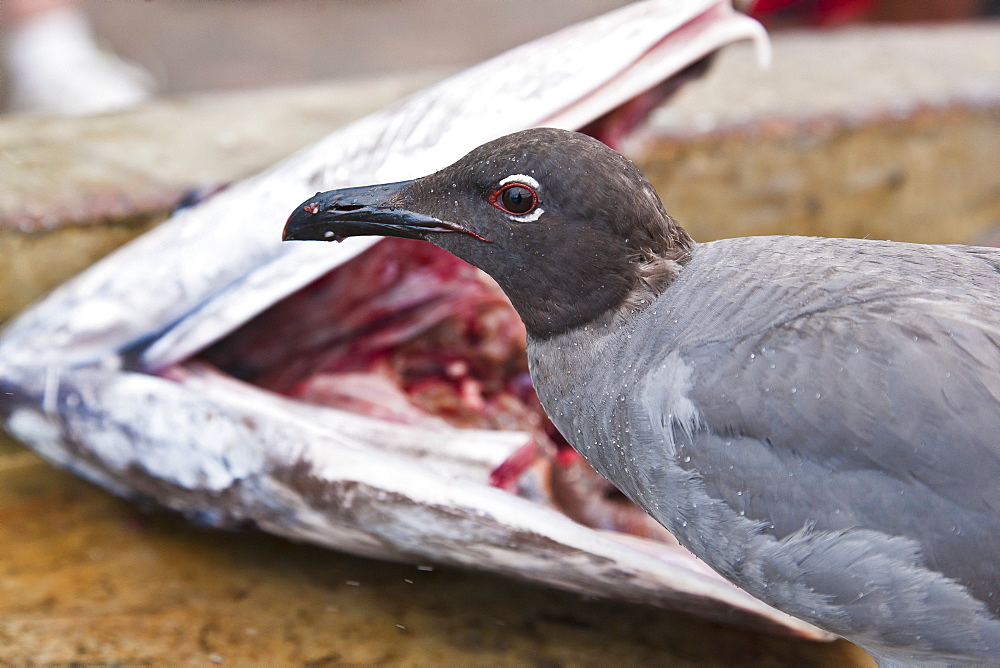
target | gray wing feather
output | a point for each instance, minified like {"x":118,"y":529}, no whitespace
{"x":866,"y":376}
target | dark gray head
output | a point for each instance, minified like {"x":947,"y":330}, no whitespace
{"x":568,"y":227}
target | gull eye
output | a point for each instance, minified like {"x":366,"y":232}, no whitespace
{"x":516,"y":199}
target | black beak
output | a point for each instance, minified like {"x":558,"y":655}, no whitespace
{"x":366,"y":211}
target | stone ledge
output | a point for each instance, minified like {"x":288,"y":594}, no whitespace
{"x":881,"y":132}
{"x":850,"y":76}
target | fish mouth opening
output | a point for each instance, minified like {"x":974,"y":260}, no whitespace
{"x":407,"y":333}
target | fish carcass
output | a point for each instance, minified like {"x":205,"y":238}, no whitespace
{"x":164,"y":372}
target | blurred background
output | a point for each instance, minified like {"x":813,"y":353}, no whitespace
{"x":879,"y":118}
{"x":183,"y":46}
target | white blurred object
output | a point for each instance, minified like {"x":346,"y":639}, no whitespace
{"x":55,"y":67}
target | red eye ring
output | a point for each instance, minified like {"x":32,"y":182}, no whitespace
{"x":516,"y":199}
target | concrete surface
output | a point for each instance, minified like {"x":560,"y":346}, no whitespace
{"x":882,"y":132}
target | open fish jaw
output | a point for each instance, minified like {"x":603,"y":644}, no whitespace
{"x":411,"y":334}
{"x":94,"y":377}
{"x":225,"y":263}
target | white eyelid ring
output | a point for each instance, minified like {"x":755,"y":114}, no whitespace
{"x":529,"y":181}
{"x":529,"y":218}
{"x":521,"y":178}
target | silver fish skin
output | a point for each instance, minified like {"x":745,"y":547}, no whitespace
{"x":94,"y":377}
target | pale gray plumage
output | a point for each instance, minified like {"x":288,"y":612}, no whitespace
{"x":817,"y":419}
